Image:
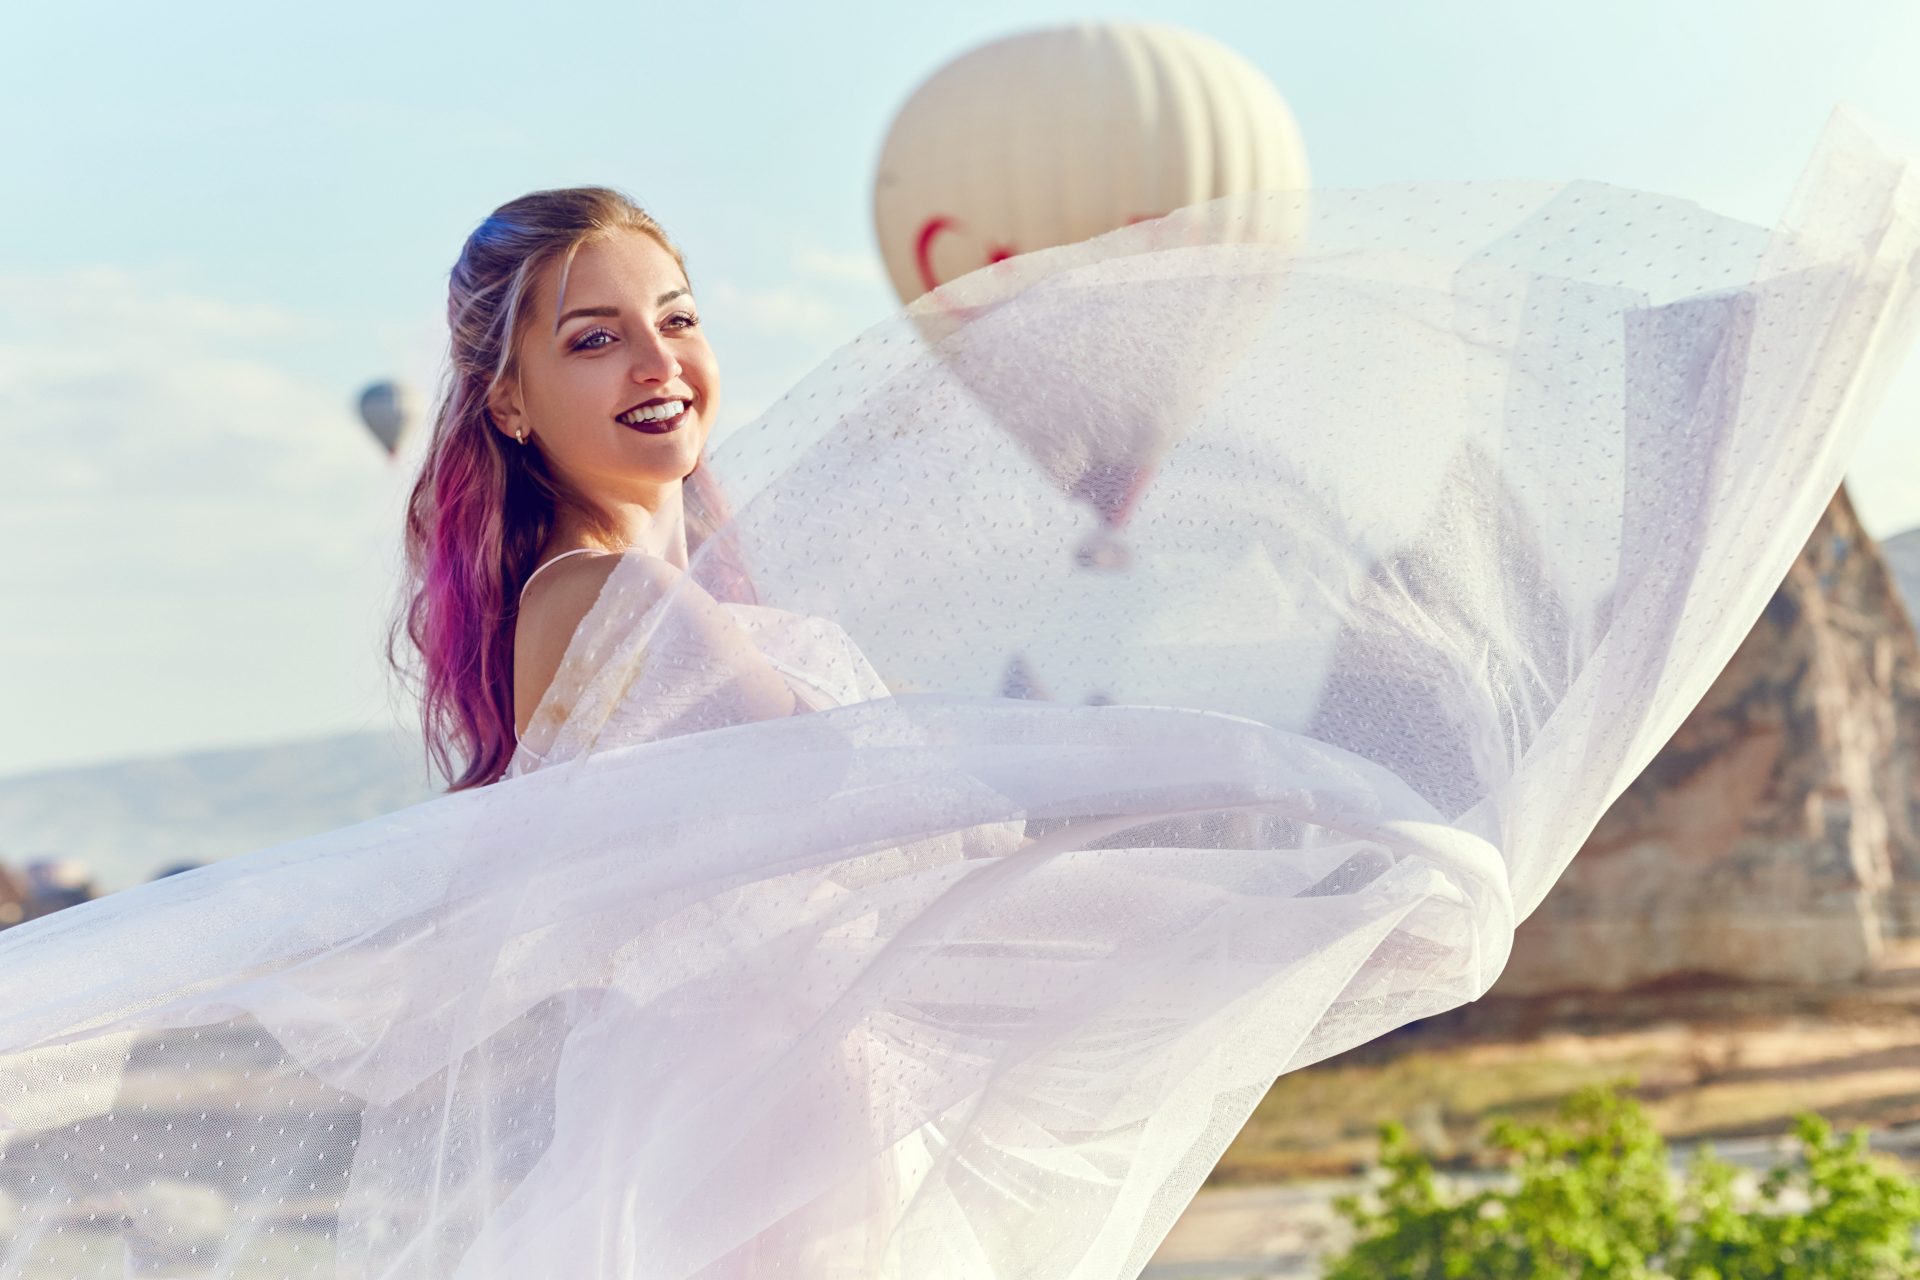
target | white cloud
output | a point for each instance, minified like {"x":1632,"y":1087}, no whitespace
{"x":202,"y":536}
{"x":787,"y":312}
{"x":124,"y":301}
{"x":852,"y":267}
{"x":144,"y":381}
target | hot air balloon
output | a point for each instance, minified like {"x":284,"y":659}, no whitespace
{"x":1058,"y":135}
{"x":1019,"y":681}
{"x":387,"y":408}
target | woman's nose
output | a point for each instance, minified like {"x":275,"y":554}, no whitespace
{"x":654,"y":361}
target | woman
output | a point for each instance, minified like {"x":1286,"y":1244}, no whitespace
{"x":1442,"y":519}
{"x":570,"y":310}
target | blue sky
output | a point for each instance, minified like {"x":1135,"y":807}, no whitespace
{"x":225,"y":219}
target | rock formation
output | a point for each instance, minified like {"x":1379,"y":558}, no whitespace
{"x":1774,"y":836}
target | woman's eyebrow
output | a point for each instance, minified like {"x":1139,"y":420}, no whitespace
{"x":660,"y":301}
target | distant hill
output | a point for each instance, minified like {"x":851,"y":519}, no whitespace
{"x":1903,"y":557}
{"x":129,"y":819}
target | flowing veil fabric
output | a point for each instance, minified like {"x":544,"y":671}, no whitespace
{"x":1440,"y":509}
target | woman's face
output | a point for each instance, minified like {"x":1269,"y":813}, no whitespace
{"x":626,"y":333}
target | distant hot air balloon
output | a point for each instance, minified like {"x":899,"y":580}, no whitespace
{"x":388,"y":409}
{"x":1055,"y":136}
{"x":1019,"y":681}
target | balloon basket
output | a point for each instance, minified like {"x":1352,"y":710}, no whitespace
{"x":1104,"y":549}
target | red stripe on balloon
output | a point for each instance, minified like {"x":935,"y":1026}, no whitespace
{"x":923,"y":247}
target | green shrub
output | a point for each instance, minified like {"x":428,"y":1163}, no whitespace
{"x":1593,"y":1199}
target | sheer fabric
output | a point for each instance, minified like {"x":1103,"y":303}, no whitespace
{"x":1362,"y":546}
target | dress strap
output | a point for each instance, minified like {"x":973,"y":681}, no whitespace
{"x":562,"y":556}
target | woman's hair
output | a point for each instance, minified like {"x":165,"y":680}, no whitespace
{"x":483,"y":506}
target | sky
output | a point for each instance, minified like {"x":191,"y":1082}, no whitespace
{"x":224,"y":220}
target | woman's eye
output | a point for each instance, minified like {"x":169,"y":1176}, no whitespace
{"x":586,"y":343}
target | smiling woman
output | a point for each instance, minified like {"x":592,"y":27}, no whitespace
{"x":571,"y":313}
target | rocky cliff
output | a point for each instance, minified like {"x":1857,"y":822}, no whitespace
{"x":1774,"y":836}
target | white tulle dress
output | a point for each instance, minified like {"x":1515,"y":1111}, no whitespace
{"x":1421,"y":517}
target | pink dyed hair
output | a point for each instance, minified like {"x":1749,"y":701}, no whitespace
{"x":482,"y":508}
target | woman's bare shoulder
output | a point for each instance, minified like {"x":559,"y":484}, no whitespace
{"x":556,"y":602}
{"x":561,"y":596}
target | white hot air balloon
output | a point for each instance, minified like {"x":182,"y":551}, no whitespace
{"x":387,"y":409}
{"x":1055,"y":136}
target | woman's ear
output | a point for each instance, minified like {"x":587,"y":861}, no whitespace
{"x":503,"y":404}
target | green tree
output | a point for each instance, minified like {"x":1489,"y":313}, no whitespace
{"x":1592,"y":1198}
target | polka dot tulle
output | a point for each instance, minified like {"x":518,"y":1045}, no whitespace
{"x":1169,"y":660}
